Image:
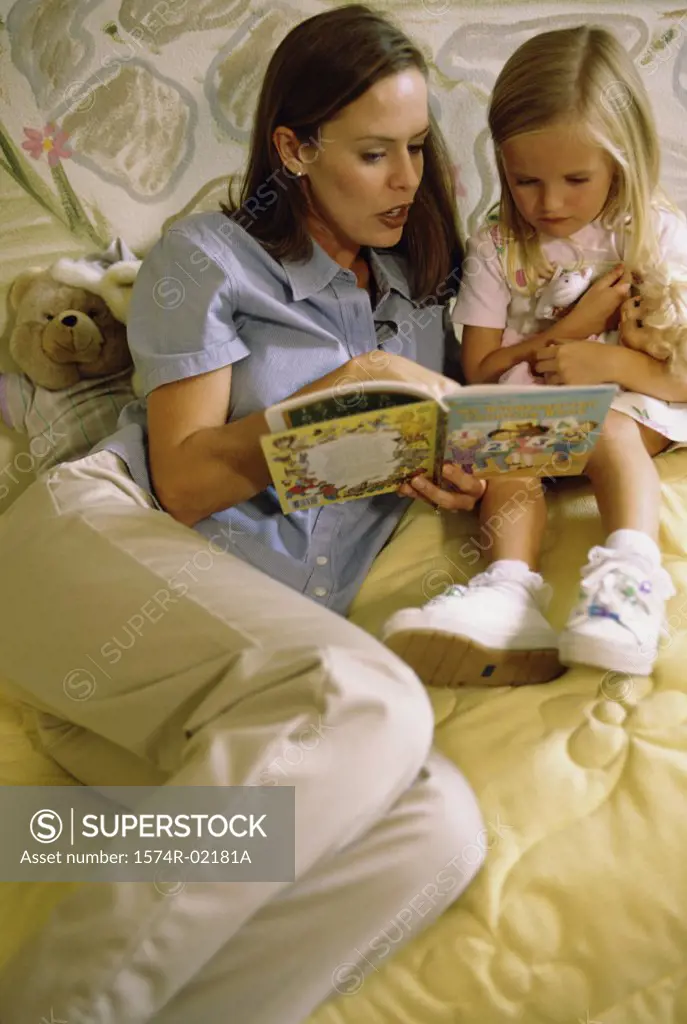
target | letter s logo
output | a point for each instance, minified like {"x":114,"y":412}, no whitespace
{"x":46,"y":826}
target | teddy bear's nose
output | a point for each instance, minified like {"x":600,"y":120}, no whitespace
{"x":69,"y":321}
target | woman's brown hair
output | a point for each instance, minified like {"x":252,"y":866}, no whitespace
{"x":323,"y":65}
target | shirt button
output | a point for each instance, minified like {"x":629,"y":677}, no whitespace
{"x":321,"y":559}
{"x":320,"y":591}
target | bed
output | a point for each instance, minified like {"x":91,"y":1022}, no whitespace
{"x":580,"y":913}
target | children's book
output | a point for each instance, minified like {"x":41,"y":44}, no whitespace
{"x":365,"y":439}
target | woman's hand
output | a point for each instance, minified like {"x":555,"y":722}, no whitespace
{"x":597,"y":310}
{"x":464,"y":494}
{"x":576,"y":362}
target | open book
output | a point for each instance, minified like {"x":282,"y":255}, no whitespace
{"x":366,"y":438}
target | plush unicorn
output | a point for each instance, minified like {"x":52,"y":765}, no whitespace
{"x":564,"y":288}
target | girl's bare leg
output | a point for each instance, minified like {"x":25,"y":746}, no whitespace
{"x":513,"y":520}
{"x":624,"y":476}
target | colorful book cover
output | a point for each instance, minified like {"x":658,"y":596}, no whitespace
{"x":324,"y":459}
{"x":539,"y":432}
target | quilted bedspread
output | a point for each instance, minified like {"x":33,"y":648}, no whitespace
{"x":580,"y":913}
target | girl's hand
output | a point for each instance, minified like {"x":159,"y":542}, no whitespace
{"x":467,"y":493}
{"x":576,"y":363}
{"x":597,"y":310}
{"x":538,"y":344}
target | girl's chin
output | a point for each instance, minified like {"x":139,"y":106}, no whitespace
{"x":565,"y":226}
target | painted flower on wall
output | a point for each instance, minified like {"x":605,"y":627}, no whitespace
{"x":61,"y":202}
{"x":51,"y":140}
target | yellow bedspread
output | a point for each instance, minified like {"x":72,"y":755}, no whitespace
{"x":581,"y":911}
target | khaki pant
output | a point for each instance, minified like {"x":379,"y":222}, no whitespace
{"x":149,"y":658}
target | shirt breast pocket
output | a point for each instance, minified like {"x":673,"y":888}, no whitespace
{"x":387,"y":333}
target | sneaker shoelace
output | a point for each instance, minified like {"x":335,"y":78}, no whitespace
{"x":609,"y":586}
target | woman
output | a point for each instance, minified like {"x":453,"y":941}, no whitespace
{"x":205,"y":664}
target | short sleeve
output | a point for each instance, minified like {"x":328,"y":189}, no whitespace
{"x":180,"y":321}
{"x":484,"y":295}
{"x":672,"y":239}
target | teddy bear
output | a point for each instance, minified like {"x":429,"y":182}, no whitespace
{"x":69,"y":342}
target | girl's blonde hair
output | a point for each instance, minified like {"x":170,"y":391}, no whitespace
{"x":582,"y":74}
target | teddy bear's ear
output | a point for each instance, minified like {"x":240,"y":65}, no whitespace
{"x":20,"y":284}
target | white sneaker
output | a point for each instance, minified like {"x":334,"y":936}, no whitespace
{"x":489,"y":633}
{"x":618,"y":619}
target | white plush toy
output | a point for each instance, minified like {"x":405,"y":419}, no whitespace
{"x":564,"y":288}
{"x":109,"y":274}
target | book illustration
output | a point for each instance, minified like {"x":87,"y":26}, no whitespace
{"x":559,"y":445}
{"x":353,"y":403}
{"x":330,"y":461}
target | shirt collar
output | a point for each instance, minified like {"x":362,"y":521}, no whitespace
{"x":308,"y":277}
{"x":388,"y":273}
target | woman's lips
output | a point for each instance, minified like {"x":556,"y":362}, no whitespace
{"x":396,"y":217}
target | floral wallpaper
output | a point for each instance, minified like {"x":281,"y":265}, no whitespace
{"x":118,"y":115}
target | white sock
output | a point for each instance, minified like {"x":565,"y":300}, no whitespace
{"x":636,"y":543}
{"x":515,"y":569}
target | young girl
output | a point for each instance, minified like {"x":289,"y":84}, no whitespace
{"x":577,"y":155}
